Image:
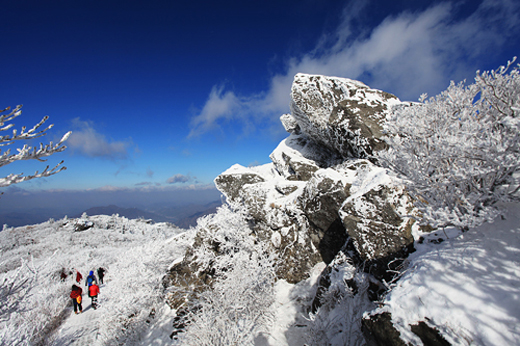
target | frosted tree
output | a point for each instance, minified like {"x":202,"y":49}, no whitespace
{"x":459,"y":152}
{"x":26,"y":152}
{"x":237,"y":307}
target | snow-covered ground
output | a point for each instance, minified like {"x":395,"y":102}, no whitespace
{"x":35,"y":300}
{"x":467,"y":286}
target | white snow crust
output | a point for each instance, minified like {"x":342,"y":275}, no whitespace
{"x":468,"y":286}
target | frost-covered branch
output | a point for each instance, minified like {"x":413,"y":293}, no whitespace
{"x":27,"y":152}
{"x":459,"y":152}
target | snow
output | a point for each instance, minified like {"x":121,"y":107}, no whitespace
{"x":81,"y":328}
{"x":464,"y":284}
{"x":363,"y":94}
{"x":369,"y":177}
{"x":290,"y":325}
{"x":468,"y":286}
{"x":136,"y":255}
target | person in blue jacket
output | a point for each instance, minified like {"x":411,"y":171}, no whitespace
{"x":91,"y":279}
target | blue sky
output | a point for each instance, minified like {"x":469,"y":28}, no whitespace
{"x":165,"y":95}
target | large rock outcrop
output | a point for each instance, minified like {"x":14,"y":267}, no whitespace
{"x":323,"y":198}
{"x":320,"y":191}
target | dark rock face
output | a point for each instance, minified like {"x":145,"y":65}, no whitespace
{"x":82,"y":225}
{"x":298,"y":157}
{"x":332,"y":241}
{"x":184,"y":282}
{"x":428,"y":335}
{"x":372,"y":221}
{"x":379,"y":331}
{"x":322,"y":199}
{"x":232,"y":182}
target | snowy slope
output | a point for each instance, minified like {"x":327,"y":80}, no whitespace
{"x":468,"y":286}
{"x":135,"y":253}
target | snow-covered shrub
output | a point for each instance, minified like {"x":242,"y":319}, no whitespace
{"x":28,"y":293}
{"x":238,"y":305}
{"x":15,"y":286}
{"x":338,"y":319}
{"x":139,"y":271}
{"x":459,"y":152}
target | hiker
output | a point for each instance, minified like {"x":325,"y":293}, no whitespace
{"x":63,"y":274}
{"x":100,"y":273}
{"x":93,"y":292}
{"x":78,"y":277}
{"x":75,"y":294}
{"x":91,"y":278}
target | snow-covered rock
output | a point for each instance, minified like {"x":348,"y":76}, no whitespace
{"x":318,"y":188}
{"x":83,"y":225}
{"x":297,"y":157}
{"x":342,"y":114}
{"x":231,"y":181}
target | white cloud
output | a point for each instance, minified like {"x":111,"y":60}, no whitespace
{"x":407,"y":54}
{"x":220,"y":105}
{"x":89,"y":142}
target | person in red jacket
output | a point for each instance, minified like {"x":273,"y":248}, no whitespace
{"x":75,"y":294}
{"x":78,"y":277}
{"x":93,"y":292}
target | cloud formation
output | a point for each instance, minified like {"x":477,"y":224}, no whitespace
{"x":180,"y":178}
{"x":406,"y":54}
{"x":87,"y":141}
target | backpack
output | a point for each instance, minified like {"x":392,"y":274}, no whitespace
{"x":90,"y":279}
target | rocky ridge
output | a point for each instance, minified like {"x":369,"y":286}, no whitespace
{"x":321,"y":189}
{"x":323,"y":198}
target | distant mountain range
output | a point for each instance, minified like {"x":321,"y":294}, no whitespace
{"x":182,"y":216}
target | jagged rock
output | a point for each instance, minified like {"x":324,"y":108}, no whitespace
{"x":341,"y":114}
{"x":286,"y":188}
{"x":302,"y":202}
{"x":323,"y":196}
{"x":231,"y":181}
{"x":82,"y":225}
{"x":289,"y":232}
{"x":428,"y":335}
{"x":297,"y":157}
{"x":373,"y":221}
{"x":321,"y":200}
{"x":270,"y":201}
{"x":379,"y":331}
{"x":185,"y":281}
